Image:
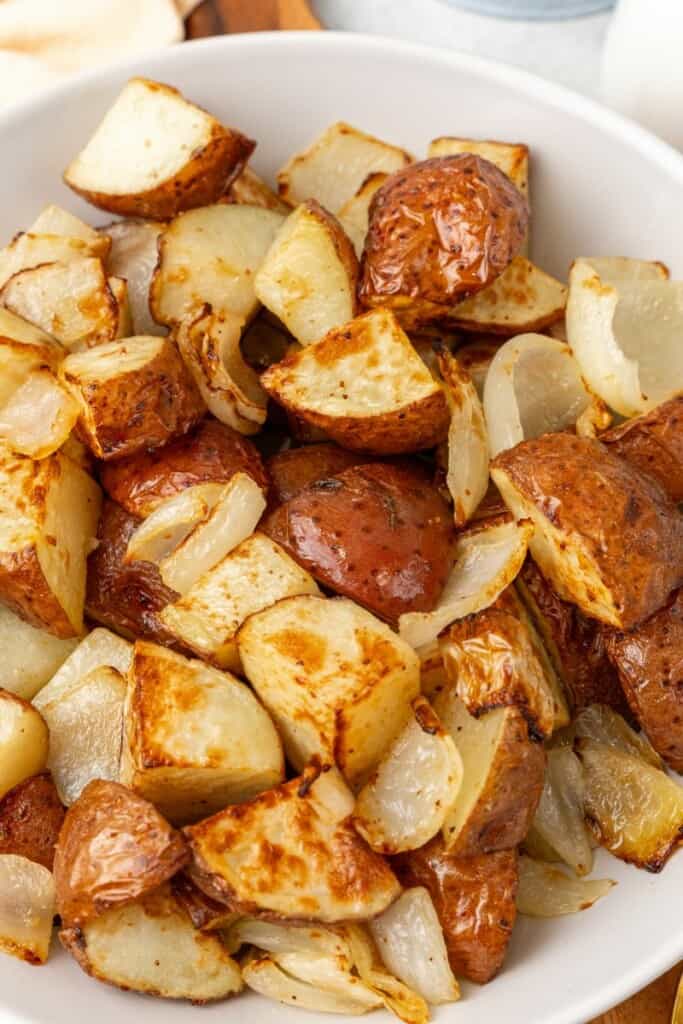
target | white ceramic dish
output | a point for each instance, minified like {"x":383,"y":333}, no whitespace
{"x":600,"y":185}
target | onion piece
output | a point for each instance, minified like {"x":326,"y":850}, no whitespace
{"x":39,"y":416}
{"x":559,"y":819}
{"x":467,"y":477}
{"x":523,"y":298}
{"x":415,"y":785}
{"x":487,"y":559}
{"x":407,"y":1005}
{"x":27,"y":907}
{"x":233,"y":518}
{"x":600,"y":723}
{"x":624,"y":324}
{"x":410,"y":941}
{"x":101,"y":647}
{"x":276,"y":938}
{"x":533,"y":387}
{"x":263,"y":975}
{"x":171,"y":522}
{"x":133,"y":256}
{"x":547,"y":891}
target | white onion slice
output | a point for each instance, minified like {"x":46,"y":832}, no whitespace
{"x":410,"y":941}
{"x":559,"y":817}
{"x":486,"y":562}
{"x":171,"y":522}
{"x":533,"y":387}
{"x":133,"y":256}
{"x":276,"y":938}
{"x":232,"y":520}
{"x":523,"y":298}
{"x":416,"y":783}
{"x":467,"y":477}
{"x":27,"y":907}
{"x":101,"y":647}
{"x":39,"y":416}
{"x":406,"y":1004}
{"x":624,"y":325}
{"x":263,"y":975}
{"x":548,"y":891}
{"x":602,"y":724}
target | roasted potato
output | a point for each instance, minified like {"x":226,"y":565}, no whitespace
{"x":337,"y":879}
{"x":649,"y":661}
{"x":380,"y":534}
{"x":27,"y":908}
{"x":206,"y":914}
{"x":23,"y":741}
{"x":439,"y":232}
{"x":337,"y":682}
{"x":294,"y":470}
{"x":31,"y":815}
{"x":150,"y":945}
{"x":474,"y":898}
{"x":653,"y":443}
{"x":37,"y":419}
{"x":133,"y":256}
{"x":606,"y":537}
{"x":28,"y":250}
{"x":334,"y":167}
{"x":196,"y":739}
{"x":522,"y":299}
{"x":53,"y":220}
{"x":48,"y":520}
{"x":212,"y":453}
{"x":475,"y":358}
{"x":249,"y":189}
{"x":133,"y":394}
{"x":30,"y":656}
{"x":113,"y":848}
{"x":177,"y":155}
{"x":365,"y":386}
{"x":512,"y":158}
{"x":353,"y":215}
{"x":256,"y":574}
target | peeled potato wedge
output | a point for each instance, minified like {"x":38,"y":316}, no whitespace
{"x":31,"y":656}
{"x":48,"y":519}
{"x":365,"y":386}
{"x":176,"y":156}
{"x":353,"y":215}
{"x":133,"y":256}
{"x":31,"y":816}
{"x":151,"y":946}
{"x":337,"y":681}
{"x":522,"y":299}
{"x":23,"y":741}
{"x":653,"y":443}
{"x":27,"y":908}
{"x":309,"y":276}
{"x":334,"y":167}
{"x":338,"y":879}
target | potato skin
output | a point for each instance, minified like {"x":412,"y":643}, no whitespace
{"x":293,"y":470}
{"x":114,"y":846}
{"x":31,"y":816}
{"x":380,"y":534}
{"x":474,"y":898}
{"x":440,"y":230}
{"x":653,"y":443}
{"x":649,"y":661}
{"x":125,"y":597}
{"x":211,"y":453}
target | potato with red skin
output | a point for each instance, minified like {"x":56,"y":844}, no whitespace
{"x":380,"y":534}
{"x":212,"y":453}
{"x":474,"y":898}
{"x":439,"y":231}
{"x":31,"y":816}
{"x":114,"y":847}
{"x":649,"y":661}
{"x":653,"y":443}
{"x":293,"y":470}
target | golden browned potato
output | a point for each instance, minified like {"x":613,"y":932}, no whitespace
{"x":511,"y":157}
{"x":606,"y":536}
{"x":380,"y":534}
{"x":653,"y":443}
{"x":176,"y":155}
{"x":365,"y":386}
{"x":474,"y":898}
{"x":292,"y":852}
{"x":113,"y":848}
{"x":522,"y":299}
{"x":294,"y":470}
{"x":649,"y":661}
{"x":251,"y":190}
{"x":212,"y":453}
{"x":31,"y":816}
{"x":30,"y":656}
{"x":440,"y":231}
{"x":133,"y":394}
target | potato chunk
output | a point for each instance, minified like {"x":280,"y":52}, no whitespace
{"x":653,"y":443}
{"x":337,"y":681}
{"x":353,"y":215}
{"x":292,"y":853}
{"x":195,"y":739}
{"x":176,"y":155}
{"x":151,"y":946}
{"x":48,"y":519}
{"x":31,"y":815}
{"x":248,"y":189}
{"x":291,"y":471}
{"x":23,"y":741}
{"x":365,"y":386}
{"x":133,"y":394}
{"x":30,"y":656}
{"x":605,"y":535}
{"x":522,"y":299}
{"x":512,"y":158}
{"x":27,"y":907}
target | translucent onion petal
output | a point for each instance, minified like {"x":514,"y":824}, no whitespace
{"x":97,"y":649}
{"x":39,"y":416}
{"x":276,"y":938}
{"x":467,"y":477}
{"x":547,"y":891}
{"x":560,"y":816}
{"x":171,"y":521}
{"x":133,"y":256}
{"x":27,"y":907}
{"x":600,"y":723}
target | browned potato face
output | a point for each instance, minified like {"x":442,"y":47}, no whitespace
{"x":114,"y":847}
{"x":649,"y":661}
{"x":124,"y":596}
{"x":575,"y":644}
{"x":607,"y":537}
{"x":474,"y":898}
{"x":653,"y":443}
{"x":439,"y":231}
{"x":293,"y":470}
{"x":380,"y":534}
{"x":31,"y":816}
{"x":212,"y":453}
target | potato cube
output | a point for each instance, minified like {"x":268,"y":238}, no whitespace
{"x":53,"y":220}
{"x":30,"y":656}
{"x":354,"y":214}
{"x":23,"y":741}
{"x":511,"y":158}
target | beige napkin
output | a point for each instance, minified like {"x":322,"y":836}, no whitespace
{"x":44,"y":41}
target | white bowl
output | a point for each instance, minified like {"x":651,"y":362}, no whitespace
{"x":600,"y":185}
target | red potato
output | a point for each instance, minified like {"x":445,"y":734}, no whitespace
{"x":293,"y":470}
{"x":31,"y":816}
{"x":653,"y":443}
